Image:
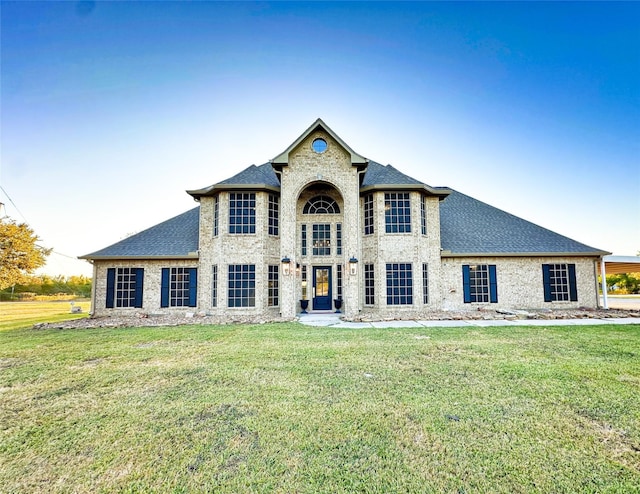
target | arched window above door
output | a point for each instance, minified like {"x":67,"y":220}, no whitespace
{"x":321,"y":205}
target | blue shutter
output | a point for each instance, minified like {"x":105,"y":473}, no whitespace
{"x":465,"y":284}
{"x":164,"y":288}
{"x":193,"y":287}
{"x":573,"y":289}
{"x":493,"y":284}
{"x":546,"y":282}
{"x":111,"y":286}
{"x":137,"y":302}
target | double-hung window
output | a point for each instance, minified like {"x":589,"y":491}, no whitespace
{"x":368,"y":214}
{"x":242,"y":285}
{"x":124,"y":287}
{"x":480,"y":283}
{"x":274,"y":209}
{"x":322,"y":239}
{"x":369,"y":285}
{"x":559,"y":282}
{"x":179,"y":287}
{"x":273,"y":290}
{"x":399,"y":284}
{"x":397,"y":212}
{"x":242,"y":212}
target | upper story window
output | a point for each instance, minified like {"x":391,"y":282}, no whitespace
{"x":242,"y":212}
{"x":322,"y":240}
{"x":274,"y":208}
{"x":423,"y":214}
{"x":397,"y":212}
{"x":216,"y":215}
{"x":321,"y":205}
{"x":368,"y":214}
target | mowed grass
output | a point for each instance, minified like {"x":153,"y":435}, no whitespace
{"x":292,"y":409}
{"x":14,"y":315}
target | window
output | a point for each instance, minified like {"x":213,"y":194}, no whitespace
{"x":559,"y":282}
{"x":399,"y":284}
{"x":304,"y":282}
{"x":274,"y":207}
{"x":124,"y":287}
{"x":368,"y":214}
{"x":319,"y":145}
{"x":322,"y":239}
{"x":242,"y":285}
{"x":178,"y":287}
{"x":339,"y":239}
{"x":272,"y":296}
{"x":216,"y":215}
{"x":214,"y":287}
{"x":321,"y":205}
{"x":397,"y":212}
{"x":480,"y":283}
{"x":304,"y":240}
{"x":339,"y":282}
{"x":369,"y":283}
{"x":425,"y":283}
{"x":242,"y":212}
{"x":423,"y":214}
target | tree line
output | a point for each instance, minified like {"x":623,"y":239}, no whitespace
{"x":45,"y":286}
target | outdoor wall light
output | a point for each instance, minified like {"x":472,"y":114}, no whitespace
{"x":286,"y":266}
{"x":353,"y":266}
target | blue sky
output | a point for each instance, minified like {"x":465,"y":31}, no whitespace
{"x":110,"y":111}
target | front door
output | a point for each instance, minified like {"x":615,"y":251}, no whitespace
{"x":321,"y":288}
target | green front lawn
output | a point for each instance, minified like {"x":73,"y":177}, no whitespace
{"x":289,"y":408}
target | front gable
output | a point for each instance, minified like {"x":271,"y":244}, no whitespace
{"x":318,"y":130}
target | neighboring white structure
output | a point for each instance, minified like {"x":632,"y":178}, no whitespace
{"x":320,"y":223}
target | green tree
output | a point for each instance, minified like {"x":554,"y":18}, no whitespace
{"x":19,"y":254}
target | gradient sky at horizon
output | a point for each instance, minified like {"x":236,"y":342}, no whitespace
{"x":110,"y":111}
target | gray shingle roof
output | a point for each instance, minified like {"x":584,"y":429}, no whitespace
{"x":175,"y":237}
{"x":378,"y":174}
{"x":469,"y":226}
{"x":262,"y":174}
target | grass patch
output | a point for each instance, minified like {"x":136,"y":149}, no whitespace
{"x":289,"y":408}
{"x":15,"y":315}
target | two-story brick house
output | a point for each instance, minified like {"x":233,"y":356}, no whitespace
{"x":320,"y":223}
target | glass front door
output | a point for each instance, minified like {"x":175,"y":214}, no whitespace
{"x":321,"y":288}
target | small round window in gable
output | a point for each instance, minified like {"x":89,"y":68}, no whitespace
{"x":319,"y":145}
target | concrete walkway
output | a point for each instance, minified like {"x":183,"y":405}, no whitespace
{"x":334,"y":321}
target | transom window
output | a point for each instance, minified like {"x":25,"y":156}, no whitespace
{"x":321,"y":205}
{"x":479,"y":283}
{"x":397,"y":212}
{"x":399,"y":284}
{"x":242,"y":285}
{"x":322,"y":239}
{"x":242,"y":212}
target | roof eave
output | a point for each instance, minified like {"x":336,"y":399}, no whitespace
{"x":597,"y":254}
{"x":91,"y":257}
{"x":214,"y":189}
{"x":440,"y":193}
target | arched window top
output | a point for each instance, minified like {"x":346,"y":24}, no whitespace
{"x":321,"y":205}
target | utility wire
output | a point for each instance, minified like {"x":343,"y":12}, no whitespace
{"x":26,"y":221}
